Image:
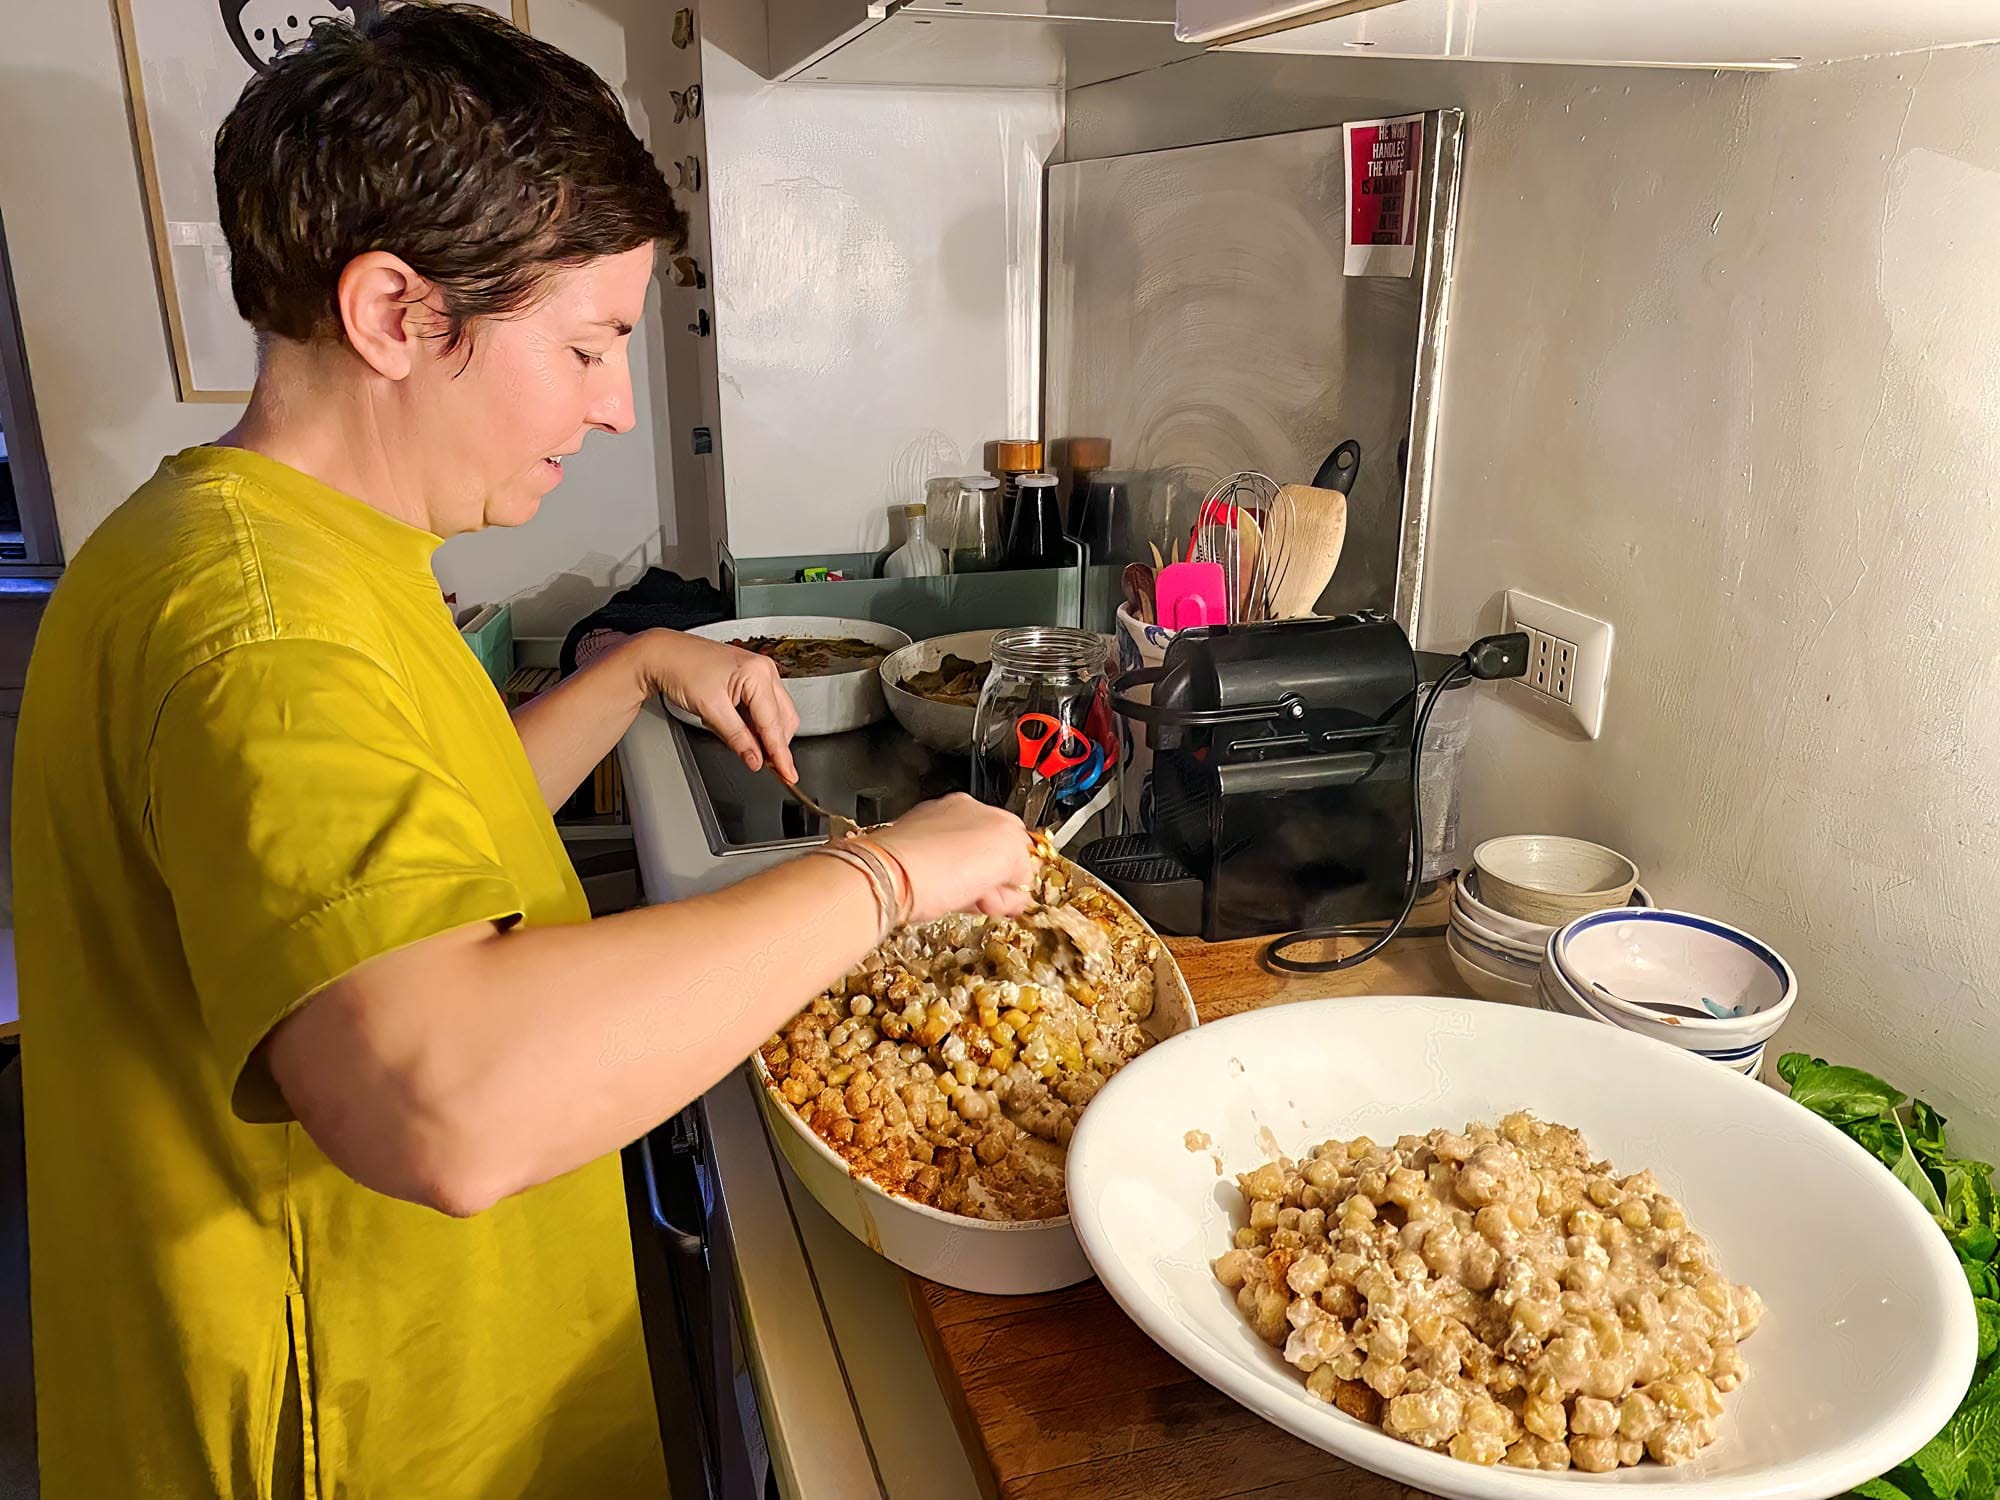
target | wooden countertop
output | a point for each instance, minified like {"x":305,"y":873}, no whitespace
{"x":1061,"y":1396}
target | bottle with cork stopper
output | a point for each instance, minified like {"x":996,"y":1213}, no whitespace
{"x":1007,"y":460}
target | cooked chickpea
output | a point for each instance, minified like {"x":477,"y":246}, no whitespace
{"x":1614,"y":1335}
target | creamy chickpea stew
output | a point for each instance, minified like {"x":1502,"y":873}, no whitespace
{"x":951,"y":1066}
{"x":1495,"y":1294}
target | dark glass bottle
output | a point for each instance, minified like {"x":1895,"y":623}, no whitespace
{"x":1035,"y":534}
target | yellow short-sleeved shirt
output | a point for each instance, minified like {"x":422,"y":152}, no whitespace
{"x":254,"y":753}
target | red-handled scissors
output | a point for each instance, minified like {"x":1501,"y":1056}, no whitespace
{"x":1048,"y":748}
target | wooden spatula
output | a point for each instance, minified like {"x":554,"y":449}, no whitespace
{"x":1249,"y":575}
{"x":1316,"y":531}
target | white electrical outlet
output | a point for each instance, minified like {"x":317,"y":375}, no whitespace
{"x":1569,"y":656}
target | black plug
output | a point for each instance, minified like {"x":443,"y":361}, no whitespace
{"x":1496,"y":656}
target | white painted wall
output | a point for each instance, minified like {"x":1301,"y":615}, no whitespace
{"x":97,"y":345}
{"x":877,"y":271}
{"x":1724,"y":367}
{"x":83,"y":267}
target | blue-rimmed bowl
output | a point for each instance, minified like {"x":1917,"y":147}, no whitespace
{"x":1689,"y":980}
{"x":1555,"y":993}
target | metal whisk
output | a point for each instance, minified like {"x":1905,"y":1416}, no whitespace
{"x":1219,"y":532}
{"x":1272,"y":558}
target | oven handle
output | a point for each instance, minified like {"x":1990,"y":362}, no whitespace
{"x":679,"y":1238}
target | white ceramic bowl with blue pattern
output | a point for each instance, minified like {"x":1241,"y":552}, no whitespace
{"x":1689,"y":980}
{"x":1556,"y":994}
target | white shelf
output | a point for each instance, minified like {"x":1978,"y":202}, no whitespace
{"x":1746,"y":34}
{"x":1007,"y":44}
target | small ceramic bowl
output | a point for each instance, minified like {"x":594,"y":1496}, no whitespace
{"x":1499,"y":928}
{"x":942,"y":726}
{"x":1555,"y":994}
{"x":1630,"y":962}
{"x":1465,"y":897}
{"x":1489,"y":983}
{"x":1547,"y":879}
{"x":1518,"y":964}
{"x":1558,"y":994}
{"x":1521,"y":948}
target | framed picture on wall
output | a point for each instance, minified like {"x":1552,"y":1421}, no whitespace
{"x":185,"y":63}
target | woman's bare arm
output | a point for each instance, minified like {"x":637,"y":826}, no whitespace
{"x":575,"y":724}
{"x":480,"y":1062}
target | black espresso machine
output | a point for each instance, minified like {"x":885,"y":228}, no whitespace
{"x":1281,"y":788}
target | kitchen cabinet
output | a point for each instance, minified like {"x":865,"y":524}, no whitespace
{"x":1754,"y":34}
{"x":1031,"y":44}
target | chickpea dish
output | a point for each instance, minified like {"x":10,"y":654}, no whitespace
{"x":951,"y":1066}
{"x":1495,"y":1294}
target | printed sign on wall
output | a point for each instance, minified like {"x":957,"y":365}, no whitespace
{"x":1382,"y":161}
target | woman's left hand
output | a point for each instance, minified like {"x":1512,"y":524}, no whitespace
{"x":734,"y":692}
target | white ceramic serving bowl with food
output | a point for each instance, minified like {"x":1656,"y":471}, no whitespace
{"x":974,"y":1255}
{"x":1548,"y":879}
{"x":1682,"y":978}
{"x":832,"y":704}
{"x":1868,"y":1337}
{"x":942,"y":726}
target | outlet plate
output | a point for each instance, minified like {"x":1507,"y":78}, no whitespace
{"x":1569,"y":657}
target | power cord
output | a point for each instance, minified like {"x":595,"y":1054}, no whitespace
{"x":1487,"y":659}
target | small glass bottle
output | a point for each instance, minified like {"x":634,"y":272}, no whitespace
{"x":1008,"y":460}
{"x":1083,"y":459}
{"x":1035,"y":535}
{"x":977,"y":543}
{"x":918,"y":557}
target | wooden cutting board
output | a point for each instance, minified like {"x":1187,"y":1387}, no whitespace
{"x":1060,"y":1396}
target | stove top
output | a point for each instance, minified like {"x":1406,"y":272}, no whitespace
{"x":872,"y":775}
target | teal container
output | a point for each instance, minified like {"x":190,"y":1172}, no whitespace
{"x":923,"y":607}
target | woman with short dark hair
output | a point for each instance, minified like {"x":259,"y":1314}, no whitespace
{"x":327,"y":1068}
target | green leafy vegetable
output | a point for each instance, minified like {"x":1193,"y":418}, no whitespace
{"x":1909,"y":1171}
{"x":1971,"y":1437}
{"x":1792,"y":1064}
{"x":1927,"y":1132}
{"x":1843,"y":1095}
{"x":1907,"y":1136}
{"x":1905,"y":1482}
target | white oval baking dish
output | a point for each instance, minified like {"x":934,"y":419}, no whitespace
{"x":974,"y":1255}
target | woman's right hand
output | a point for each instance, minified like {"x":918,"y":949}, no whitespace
{"x":962,"y":855}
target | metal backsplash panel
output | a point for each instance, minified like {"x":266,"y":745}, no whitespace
{"x":1199,"y":320}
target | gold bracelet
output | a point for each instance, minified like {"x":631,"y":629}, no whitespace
{"x":878,"y":878}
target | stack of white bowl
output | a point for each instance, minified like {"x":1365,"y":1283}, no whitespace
{"x":1518,"y":894}
{"x":1686,"y":980}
